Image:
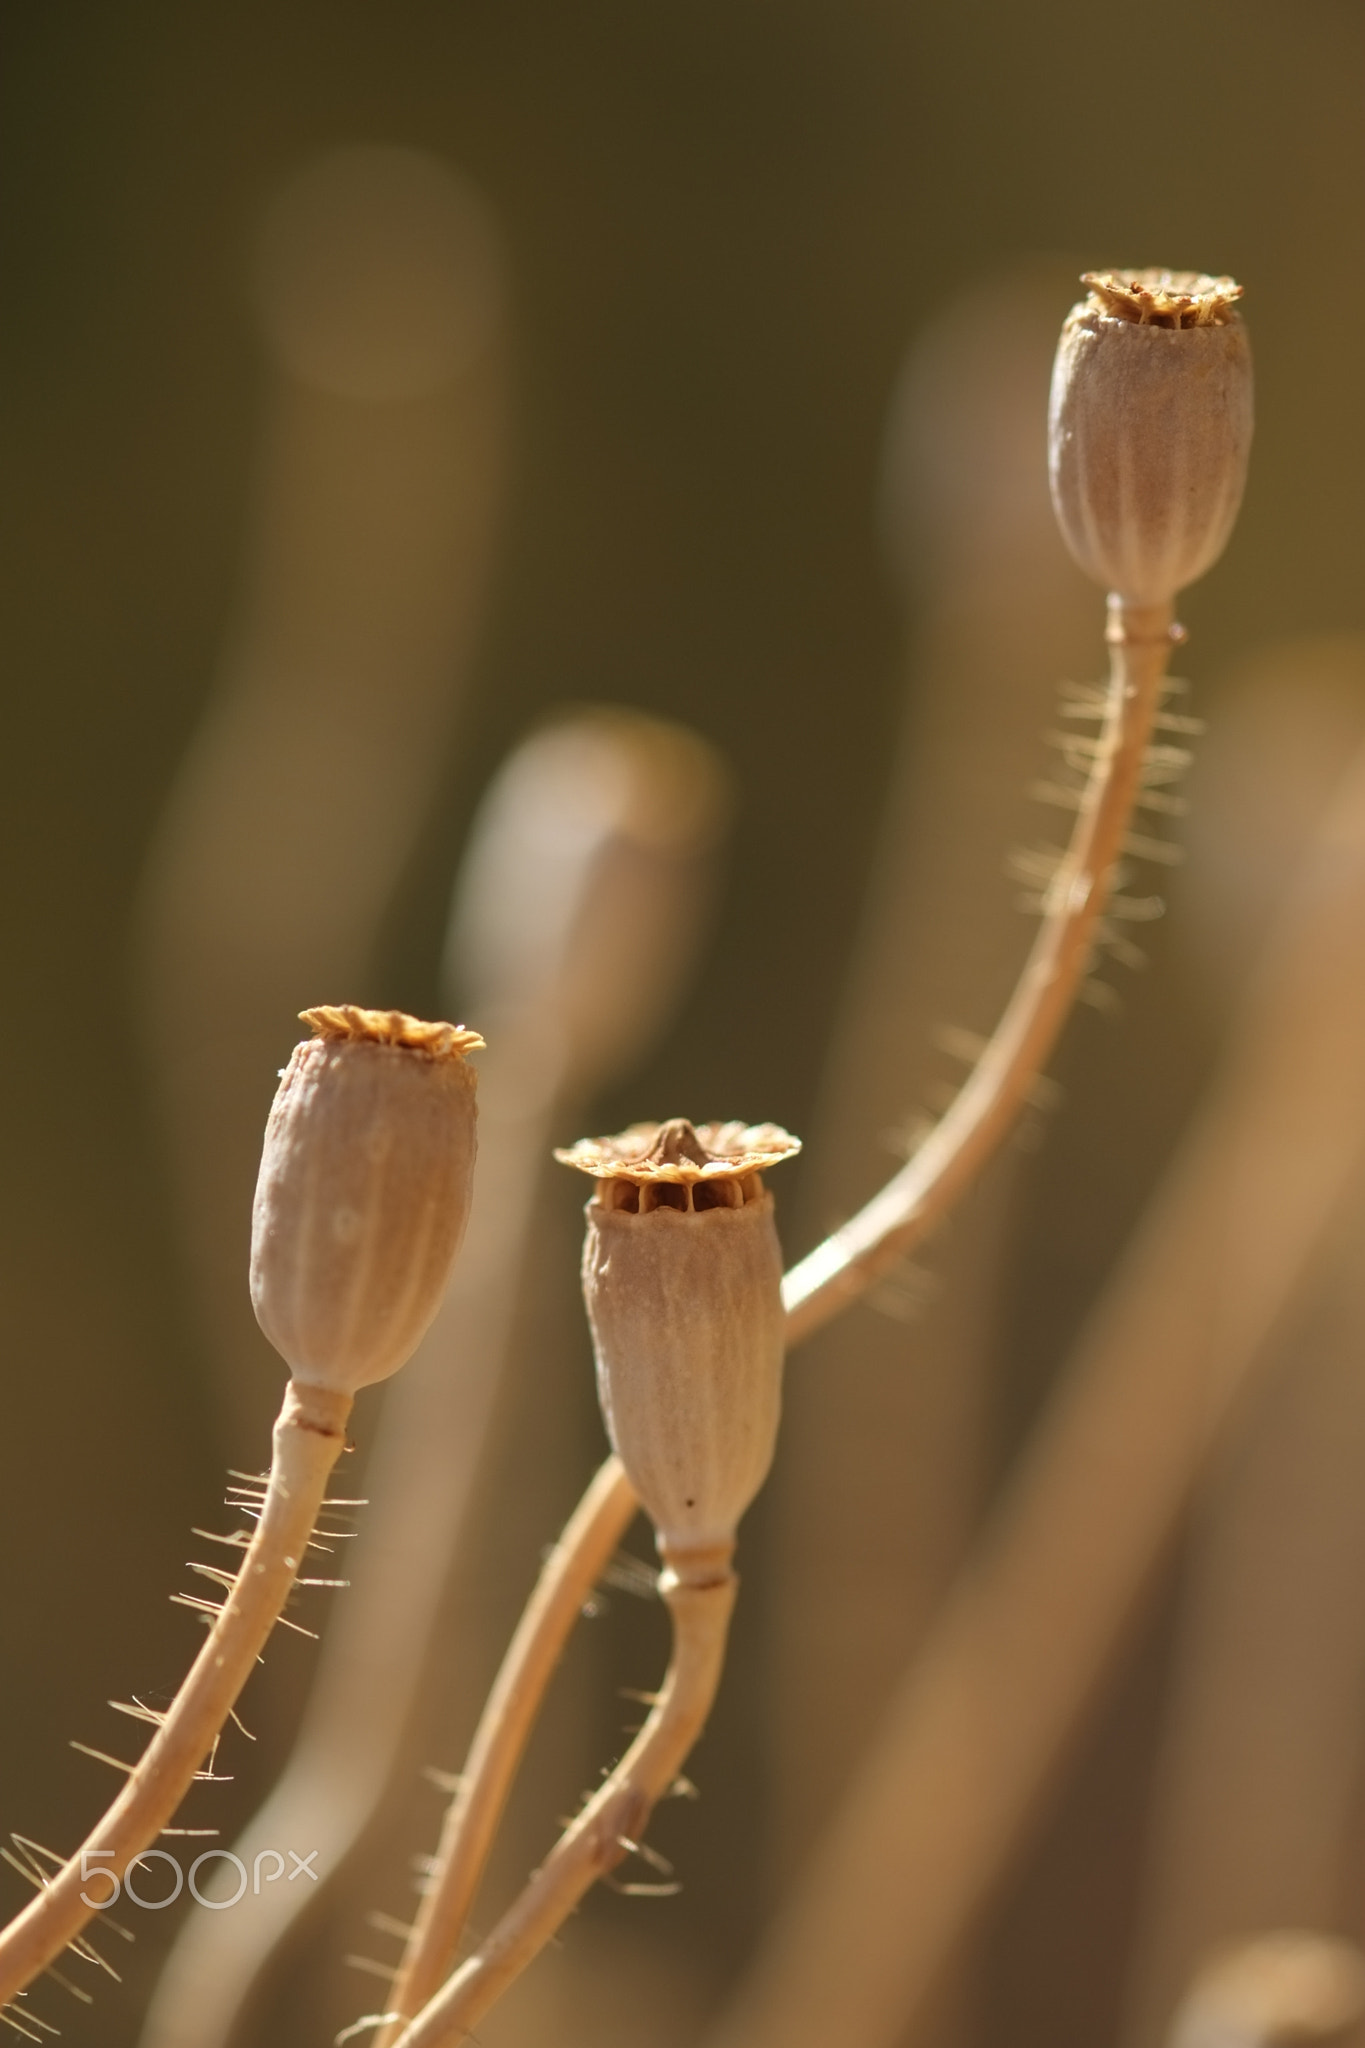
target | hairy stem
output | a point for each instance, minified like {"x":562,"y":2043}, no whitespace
{"x":567,"y":1578}
{"x":309,"y":1435}
{"x":828,"y":1279}
{"x":882,"y":1232}
{"x":613,"y":1822}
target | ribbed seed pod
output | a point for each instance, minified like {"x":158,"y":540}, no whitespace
{"x":682,"y":1276}
{"x":1149,"y":428}
{"x":363,"y":1192}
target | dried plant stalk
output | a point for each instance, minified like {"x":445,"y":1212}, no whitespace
{"x":830,"y":1277}
{"x":1147,"y":457}
{"x":569,"y":1575}
{"x":894,"y":1417}
{"x":360,"y":1207}
{"x":611,"y":1824}
{"x":838,"y":1270}
{"x":308,"y":1438}
{"x":682,"y":1282}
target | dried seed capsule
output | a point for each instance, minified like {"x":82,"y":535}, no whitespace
{"x":363,"y":1192}
{"x":682,"y":1276}
{"x":1149,"y":428}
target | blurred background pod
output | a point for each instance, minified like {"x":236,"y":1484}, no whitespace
{"x":1274,"y":1990}
{"x":380,"y":297}
{"x":573,"y":931}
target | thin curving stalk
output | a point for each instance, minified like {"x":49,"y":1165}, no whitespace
{"x":308,"y":1438}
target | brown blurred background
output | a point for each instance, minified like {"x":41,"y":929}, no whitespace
{"x":723,"y":229}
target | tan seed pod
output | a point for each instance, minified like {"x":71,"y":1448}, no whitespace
{"x":682,"y":1276}
{"x":363,"y":1192}
{"x":1149,"y":428}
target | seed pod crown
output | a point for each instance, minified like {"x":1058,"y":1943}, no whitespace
{"x":363,"y":1193}
{"x":708,"y":1163}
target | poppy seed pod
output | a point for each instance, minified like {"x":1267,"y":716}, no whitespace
{"x":363,"y":1192}
{"x":1149,"y":428}
{"x":682,"y":1277}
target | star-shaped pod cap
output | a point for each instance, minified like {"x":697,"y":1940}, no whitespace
{"x":343,"y":1021}
{"x":700,"y":1166}
{"x":1165,"y":298}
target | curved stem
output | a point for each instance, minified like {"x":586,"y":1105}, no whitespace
{"x":569,"y":1574}
{"x":838,"y":1270}
{"x":612,"y":1823}
{"x":308,"y":1437}
{"x":828,"y":1279}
